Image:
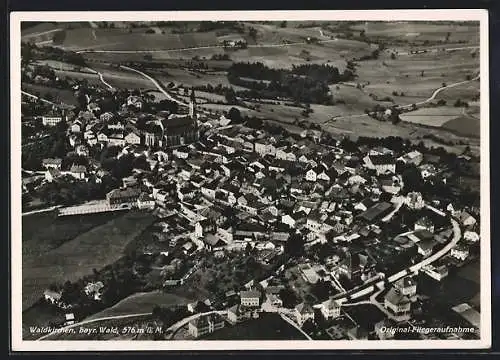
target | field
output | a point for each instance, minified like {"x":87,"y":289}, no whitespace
{"x":75,"y":258}
{"x":46,"y":231}
{"x":141,"y":303}
{"x":267,"y":327}
{"x":58,"y":95}
{"x":437,"y":116}
{"x":421,"y":31}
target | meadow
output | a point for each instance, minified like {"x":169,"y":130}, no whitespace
{"x":141,"y":303}
{"x":93,"y":248}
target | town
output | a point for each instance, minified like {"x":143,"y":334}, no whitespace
{"x":335,"y":236}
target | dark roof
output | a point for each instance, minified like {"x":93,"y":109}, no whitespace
{"x":382,"y":159}
{"x":395,"y":297}
{"x":376,"y":211}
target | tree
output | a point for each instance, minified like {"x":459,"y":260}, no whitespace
{"x":283,"y":24}
{"x":235,"y":115}
{"x":252,"y":32}
{"x":289,"y":298}
{"x":412,"y":179}
{"x":294,"y":247}
{"x":393,"y":56}
{"x":230,"y":96}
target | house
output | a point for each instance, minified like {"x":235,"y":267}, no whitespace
{"x":78,"y":171}
{"x":304,"y":312}
{"x":94,"y":290}
{"x":52,"y":163}
{"x":398,"y":304}
{"x":144,"y":201}
{"x":424,"y":223}
{"x":425,"y":247}
{"x":466,"y":219}
{"x":238,"y":313}
{"x":53,"y":297}
{"x":51,"y":120}
{"x":52,"y":174}
{"x":414,"y":157}
{"x":274,"y":300}
{"x":437,"y":273}
{"x":427,"y":170}
{"x":82,"y":150}
{"x":414,"y":201}
{"x":330,"y":309}
{"x":250,"y":298}
{"x":127,"y":196}
{"x":382,"y":164}
{"x":471,"y":236}
{"x":132,"y":138}
{"x":213,"y":242}
{"x":205,"y":324}
{"x":407,"y":286}
{"x":70,"y":319}
{"x":460,"y":252}
{"x":311,"y":175}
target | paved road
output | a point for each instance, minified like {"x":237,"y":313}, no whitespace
{"x":86,"y":322}
{"x":429,"y":99}
{"x":457,"y":234}
{"x":41,"y":210}
{"x":158,"y":85}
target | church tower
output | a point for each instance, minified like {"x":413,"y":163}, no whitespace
{"x":192,"y":103}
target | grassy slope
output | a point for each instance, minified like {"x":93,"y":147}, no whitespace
{"x":141,"y":303}
{"x":93,"y":249}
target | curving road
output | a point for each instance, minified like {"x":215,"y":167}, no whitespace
{"x":156,"y":83}
{"x":429,"y":99}
{"x":457,"y":234}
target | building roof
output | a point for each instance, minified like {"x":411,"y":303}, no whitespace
{"x":376,"y":211}
{"x":382,"y":159}
{"x":396,"y":298}
{"x":250,"y":294}
{"x":123,"y":193}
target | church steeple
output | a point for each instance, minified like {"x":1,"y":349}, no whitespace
{"x":192,"y":103}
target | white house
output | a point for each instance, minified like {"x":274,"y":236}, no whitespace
{"x":330,"y":309}
{"x":398,"y":304}
{"x":471,"y":236}
{"x":132,"y":138}
{"x":304,"y":312}
{"x":250,"y":298}
{"x":311,"y":175}
{"x":461,"y":252}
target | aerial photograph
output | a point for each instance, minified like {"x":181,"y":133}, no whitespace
{"x":250,"y":180}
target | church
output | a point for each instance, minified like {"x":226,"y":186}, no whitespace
{"x":175,"y":130}
{"x":181,"y":129}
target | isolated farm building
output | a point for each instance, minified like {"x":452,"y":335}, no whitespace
{"x":52,"y":120}
{"x":232,"y":41}
{"x":52,"y":296}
